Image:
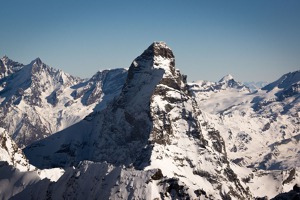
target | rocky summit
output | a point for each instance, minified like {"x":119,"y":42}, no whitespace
{"x":158,"y":137}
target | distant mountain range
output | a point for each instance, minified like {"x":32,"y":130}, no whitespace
{"x":254,"y":86}
{"x":145,"y":133}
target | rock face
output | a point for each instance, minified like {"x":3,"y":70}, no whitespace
{"x":37,"y":100}
{"x":292,"y":194}
{"x":15,"y":169}
{"x":152,"y":135}
{"x":154,"y":121}
{"x":10,"y":154}
{"x":102,"y":87}
{"x":8,"y":67}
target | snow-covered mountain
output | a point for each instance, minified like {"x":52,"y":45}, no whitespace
{"x":152,"y":135}
{"x":287,"y":86}
{"x":11,"y":154}
{"x":38,"y":100}
{"x":261,"y":129}
{"x":8,"y":66}
{"x":223,"y":84}
{"x":16,"y":173}
{"x":214,"y":97}
{"x":153,"y":124}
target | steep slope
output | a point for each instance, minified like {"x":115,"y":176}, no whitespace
{"x":15,"y":171}
{"x":96,"y":181}
{"x":285,"y":82}
{"x":11,"y":154}
{"x":154,"y":123}
{"x":8,"y":66}
{"x":38,"y":100}
{"x":24,"y":98}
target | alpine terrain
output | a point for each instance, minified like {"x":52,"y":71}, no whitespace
{"x":37,"y":100}
{"x":145,"y":133}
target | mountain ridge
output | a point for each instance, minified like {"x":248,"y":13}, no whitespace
{"x":158,"y":136}
{"x":46,"y":100}
{"x":141,"y":133}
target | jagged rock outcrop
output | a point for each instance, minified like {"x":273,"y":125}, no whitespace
{"x":293,"y":194}
{"x":38,"y":100}
{"x":106,"y":82}
{"x":10,"y":154}
{"x":154,"y":123}
{"x":147,"y":138}
{"x":8,"y":67}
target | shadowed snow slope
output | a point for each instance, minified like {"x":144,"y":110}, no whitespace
{"x":16,"y":173}
{"x":154,"y":123}
{"x":37,"y":100}
{"x":153,"y":136}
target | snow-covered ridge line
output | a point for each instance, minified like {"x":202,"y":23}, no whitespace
{"x":159,"y":137}
{"x":152,"y":123}
{"x":15,"y":171}
{"x":37,"y":100}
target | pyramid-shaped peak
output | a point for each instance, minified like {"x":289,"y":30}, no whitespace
{"x":37,"y":61}
{"x":160,"y":44}
{"x":226,"y":78}
{"x":158,"y":49}
{"x":4,"y":57}
{"x":8,"y":66}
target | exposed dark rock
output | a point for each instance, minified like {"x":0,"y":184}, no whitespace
{"x":262,"y":198}
{"x":158,"y":175}
{"x":200,"y":192}
{"x":296,"y":188}
{"x":291,"y":195}
{"x":266,"y":127}
{"x":8,"y":67}
{"x":174,"y":189}
{"x":157,"y":49}
{"x":290,"y":177}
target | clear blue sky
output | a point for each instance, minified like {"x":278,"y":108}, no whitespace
{"x":252,"y":40}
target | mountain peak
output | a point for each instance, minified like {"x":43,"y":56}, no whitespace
{"x":4,"y":57}
{"x":226,"y":78}
{"x":8,"y":66}
{"x":161,"y":49}
{"x":158,"y":49}
{"x":37,"y":61}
